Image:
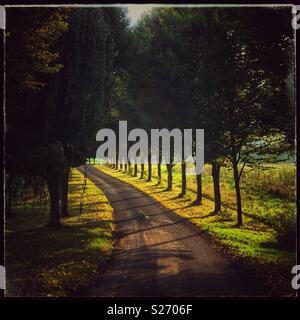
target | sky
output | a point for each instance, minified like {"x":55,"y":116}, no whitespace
{"x":135,"y":11}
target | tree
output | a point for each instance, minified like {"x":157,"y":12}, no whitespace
{"x":160,"y":87}
{"x":66,"y":114}
{"x":31,"y":58}
{"x":253,"y":107}
{"x":206,"y":64}
{"x":82,"y":94}
{"x":250,"y":91}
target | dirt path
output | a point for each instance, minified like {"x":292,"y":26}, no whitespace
{"x":159,"y":253}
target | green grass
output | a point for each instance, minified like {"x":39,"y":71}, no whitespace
{"x":254,"y":242}
{"x":266,"y":193}
{"x":43,"y":261}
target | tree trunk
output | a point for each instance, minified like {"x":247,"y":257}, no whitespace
{"x":117,"y":163}
{"x":159,"y":173}
{"x":215,"y":171}
{"x":135,"y":170}
{"x":199,"y":189}
{"x":121,"y":166}
{"x":183,"y":180}
{"x":129,"y":169}
{"x":238,"y":194}
{"x":149,"y":169}
{"x":64,"y":193}
{"x":142,"y":171}
{"x":54,"y":191}
{"x":125,"y":165}
{"x":170,"y":177}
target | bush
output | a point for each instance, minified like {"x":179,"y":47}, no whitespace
{"x":277,"y":181}
{"x":286,"y":231}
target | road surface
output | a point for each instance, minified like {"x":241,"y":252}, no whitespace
{"x":157,"y":253}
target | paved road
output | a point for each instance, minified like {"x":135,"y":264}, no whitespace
{"x":159,"y":253}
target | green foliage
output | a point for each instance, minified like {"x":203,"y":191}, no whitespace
{"x":30,"y":46}
{"x":286,"y":230}
{"x":31,"y":56}
{"x":80,"y":97}
{"x":264,"y":210}
{"x":70,"y":72}
{"x":203,"y":68}
{"x":62,"y":65}
{"x":277,"y":180}
{"x":43,"y":261}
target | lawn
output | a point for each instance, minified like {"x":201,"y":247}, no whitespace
{"x":42,"y":261}
{"x":268,"y":198}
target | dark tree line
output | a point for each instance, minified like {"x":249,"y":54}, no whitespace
{"x":62,"y":66}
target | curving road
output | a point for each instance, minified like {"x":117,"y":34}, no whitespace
{"x":157,"y":253}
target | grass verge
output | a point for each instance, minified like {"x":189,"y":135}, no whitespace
{"x":42,"y":261}
{"x":253,"y":244}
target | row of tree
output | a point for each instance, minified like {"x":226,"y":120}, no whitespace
{"x":61,"y":67}
{"x":227,"y":70}
{"x":71,"y":72}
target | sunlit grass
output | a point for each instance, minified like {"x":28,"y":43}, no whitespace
{"x":42,"y":261}
{"x":254,"y":245}
{"x":257,"y":237}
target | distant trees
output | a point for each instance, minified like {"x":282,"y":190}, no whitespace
{"x":158,"y":88}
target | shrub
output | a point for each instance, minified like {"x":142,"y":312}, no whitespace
{"x":285,"y":228}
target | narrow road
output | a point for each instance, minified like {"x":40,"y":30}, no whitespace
{"x":157,"y":253}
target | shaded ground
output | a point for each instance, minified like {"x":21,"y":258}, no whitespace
{"x":161,"y":254}
{"x":43,"y":261}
